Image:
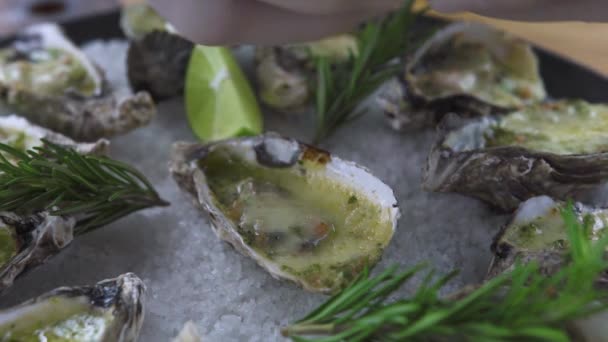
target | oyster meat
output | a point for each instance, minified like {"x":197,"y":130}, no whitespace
{"x":28,"y":241}
{"x":284,"y":73}
{"x":465,"y":68}
{"x":110,"y":311}
{"x":557,"y":149}
{"x":157,"y":59}
{"x":300,"y":213}
{"x":47,"y":79}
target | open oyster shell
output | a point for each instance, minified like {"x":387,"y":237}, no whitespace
{"x":110,"y":311}
{"x":465,"y":68}
{"x":537,"y":232}
{"x":556,"y":149}
{"x":284,"y":73}
{"x":47,"y":79}
{"x":157,"y":59}
{"x":300,"y":213}
{"x":28,"y":241}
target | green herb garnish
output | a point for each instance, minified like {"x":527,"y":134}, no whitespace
{"x":96,"y":190}
{"x":522,"y":305}
{"x":342,"y":87}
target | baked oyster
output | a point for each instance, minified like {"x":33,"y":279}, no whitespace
{"x":28,"y":241}
{"x":465,"y":68}
{"x":157,"y":59}
{"x":111,"y":310}
{"x":300,"y":213}
{"x":537,"y":232}
{"x":47,"y":79}
{"x":557,"y":149}
{"x":284,"y":73}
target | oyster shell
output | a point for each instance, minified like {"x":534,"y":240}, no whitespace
{"x":47,"y":79}
{"x":537,"y":232}
{"x":111,"y":310}
{"x":157,"y":59}
{"x":284,"y":73}
{"x":300,"y":213}
{"x":28,"y":241}
{"x":17,"y":132}
{"x":465,"y":68}
{"x":556,"y":149}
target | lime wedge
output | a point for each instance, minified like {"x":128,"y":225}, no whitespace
{"x":219,"y":100}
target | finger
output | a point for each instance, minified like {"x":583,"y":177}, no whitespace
{"x":225,"y":22}
{"x":335,"y":6}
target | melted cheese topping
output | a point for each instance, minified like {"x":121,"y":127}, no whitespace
{"x":564,"y":127}
{"x":316,"y":229}
{"x":461,"y":66}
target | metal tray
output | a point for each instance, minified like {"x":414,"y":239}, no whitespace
{"x":192,"y":276}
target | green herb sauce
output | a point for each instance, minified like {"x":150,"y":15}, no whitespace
{"x":316,"y":229}
{"x":8,"y":245}
{"x":462,"y":66}
{"x":548,"y":231}
{"x":563,"y":127}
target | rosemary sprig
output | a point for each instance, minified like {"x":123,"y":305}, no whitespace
{"x":520,"y":305}
{"x":96,"y":190}
{"x":341,"y":88}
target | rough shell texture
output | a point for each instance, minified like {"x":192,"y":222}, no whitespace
{"x":81,"y":117}
{"x":408,"y":106}
{"x":34,"y":134}
{"x":271,"y":151}
{"x":157,"y":63}
{"x":282,"y":79}
{"x":38,"y":237}
{"x":505,"y":176}
{"x":121,"y":297}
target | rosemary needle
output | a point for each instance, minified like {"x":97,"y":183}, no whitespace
{"x":96,"y":190}
{"x":341,"y":88}
{"x":522,"y":305}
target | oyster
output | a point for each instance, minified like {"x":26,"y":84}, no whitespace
{"x":300,"y":213}
{"x":537,"y":232}
{"x":28,"y":241}
{"x":465,"y":68}
{"x":47,"y":79}
{"x":284,"y":73}
{"x":111,"y":310}
{"x":556,"y":149}
{"x":157,"y":59}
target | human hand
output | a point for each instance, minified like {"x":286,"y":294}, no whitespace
{"x":532,"y":10}
{"x":225,"y":22}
